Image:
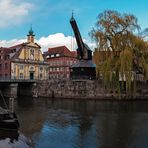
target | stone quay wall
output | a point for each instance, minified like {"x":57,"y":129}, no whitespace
{"x":78,"y":89}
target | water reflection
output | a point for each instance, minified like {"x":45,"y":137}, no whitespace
{"x":84,"y":124}
{"x":13,"y":139}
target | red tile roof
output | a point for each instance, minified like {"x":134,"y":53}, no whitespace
{"x":62,"y":50}
{"x":5,"y":49}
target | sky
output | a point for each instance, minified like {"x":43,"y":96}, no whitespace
{"x":50,"y":19}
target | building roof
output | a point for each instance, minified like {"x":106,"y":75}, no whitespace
{"x":5,"y":48}
{"x":83,"y":63}
{"x":15,"y":50}
{"x":63,"y":51}
{"x":17,"y":46}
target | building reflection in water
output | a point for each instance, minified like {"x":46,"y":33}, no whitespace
{"x":84,"y":124}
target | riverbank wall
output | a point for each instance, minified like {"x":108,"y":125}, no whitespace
{"x":82,"y":89}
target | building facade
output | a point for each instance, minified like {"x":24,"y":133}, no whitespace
{"x":60,"y":59}
{"x":23,"y":61}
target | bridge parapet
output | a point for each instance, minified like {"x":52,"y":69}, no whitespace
{"x":20,"y":80}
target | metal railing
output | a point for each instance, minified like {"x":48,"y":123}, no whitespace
{"x":24,"y":79}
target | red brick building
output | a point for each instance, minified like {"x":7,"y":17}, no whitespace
{"x":4,"y":63}
{"x":60,"y":60}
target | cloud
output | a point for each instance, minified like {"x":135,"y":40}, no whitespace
{"x":58,"y":39}
{"x":13,"y":12}
{"x":4,"y":43}
{"x":54,"y":40}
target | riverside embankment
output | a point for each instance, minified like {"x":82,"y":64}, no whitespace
{"x":82,"y":89}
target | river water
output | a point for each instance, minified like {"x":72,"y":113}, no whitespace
{"x":65,"y":123}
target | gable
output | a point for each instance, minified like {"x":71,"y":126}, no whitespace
{"x":31,"y":52}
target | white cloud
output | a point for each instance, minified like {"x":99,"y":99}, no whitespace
{"x":4,"y":43}
{"x":54,"y":40}
{"x":12,"y":12}
{"x":58,"y":39}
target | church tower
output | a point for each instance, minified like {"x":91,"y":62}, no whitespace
{"x":30,"y":36}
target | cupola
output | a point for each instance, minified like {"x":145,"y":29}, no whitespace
{"x":30,"y":35}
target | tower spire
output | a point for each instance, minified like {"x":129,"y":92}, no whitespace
{"x":31,"y":31}
{"x":31,"y":35}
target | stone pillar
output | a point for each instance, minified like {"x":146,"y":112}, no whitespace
{"x":11,"y":90}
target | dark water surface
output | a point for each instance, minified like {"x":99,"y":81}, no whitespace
{"x":83,"y":124}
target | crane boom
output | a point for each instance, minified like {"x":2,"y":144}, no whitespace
{"x":83,"y":50}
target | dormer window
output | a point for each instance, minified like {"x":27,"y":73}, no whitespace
{"x":57,"y":55}
{"x":14,"y":50}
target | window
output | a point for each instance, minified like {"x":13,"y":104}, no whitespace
{"x":21,"y":75}
{"x":50,"y":63}
{"x":6,"y":76}
{"x":41,"y":68}
{"x":14,"y":50}
{"x":57,"y":55}
{"x":71,"y":62}
{"x":21,"y":67}
{"x":52,"y":55}
{"x":55,"y":63}
{"x":7,"y":57}
{"x":61,"y":62}
{"x":31,"y":54}
{"x":6,"y":65}
{"x":31,"y":68}
{"x":41,"y":75}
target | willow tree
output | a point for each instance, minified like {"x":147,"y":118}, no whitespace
{"x":119,"y":51}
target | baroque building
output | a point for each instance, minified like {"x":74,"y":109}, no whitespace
{"x":23,"y":61}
